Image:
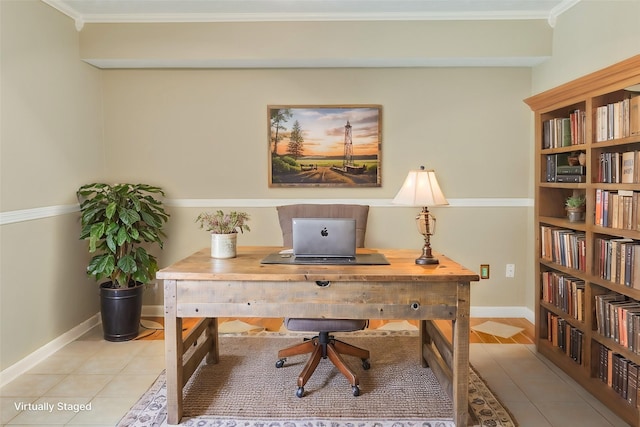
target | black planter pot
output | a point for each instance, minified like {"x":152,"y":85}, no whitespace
{"x":120,"y":310}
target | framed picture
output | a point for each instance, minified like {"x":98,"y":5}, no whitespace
{"x":324,"y":146}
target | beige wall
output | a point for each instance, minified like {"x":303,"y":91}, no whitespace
{"x":51,"y":138}
{"x":590,"y":36}
{"x":202,"y":134}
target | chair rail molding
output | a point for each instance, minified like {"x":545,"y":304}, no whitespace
{"x":22,"y":215}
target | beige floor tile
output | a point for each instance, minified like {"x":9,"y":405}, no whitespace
{"x":100,"y":364}
{"x":145,"y":365}
{"x":104,"y":411}
{"x":33,"y":385}
{"x":57,"y":411}
{"x":527,"y":415}
{"x":79,"y":385}
{"x":580,"y":414}
{"x":59,"y":364}
{"x":125,"y":385}
{"x":8,"y":407}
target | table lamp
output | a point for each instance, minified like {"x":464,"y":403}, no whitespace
{"x":421,"y":188}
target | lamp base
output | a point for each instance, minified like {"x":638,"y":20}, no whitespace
{"x":426,"y":261}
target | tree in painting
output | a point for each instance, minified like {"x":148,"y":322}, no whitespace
{"x":278,"y":118}
{"x":296,"y":141}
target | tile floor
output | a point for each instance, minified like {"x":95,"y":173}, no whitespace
{"x":110,"y":377}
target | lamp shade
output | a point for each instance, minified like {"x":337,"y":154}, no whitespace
{"x":420,"y":188}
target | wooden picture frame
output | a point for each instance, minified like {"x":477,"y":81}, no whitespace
{"x":324,"y":145}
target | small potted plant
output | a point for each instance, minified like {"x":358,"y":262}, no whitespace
{"x":575,"y":206}
{"x":224,"y":229}
{"x":121,"y":221}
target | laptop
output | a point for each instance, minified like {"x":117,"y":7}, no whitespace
{"x":324,"y":239}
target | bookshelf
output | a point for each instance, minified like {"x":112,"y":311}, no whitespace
{"x":587,"y":310}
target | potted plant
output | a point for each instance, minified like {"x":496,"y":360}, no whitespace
{"x":575,"y":206}
{"x":224,"y":231}
{"x":121,"y":221}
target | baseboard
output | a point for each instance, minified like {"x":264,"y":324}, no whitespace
{"x":24,"y":365}
{"x":516,"y":312}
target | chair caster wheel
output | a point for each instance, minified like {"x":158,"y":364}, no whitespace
{"x":355,"y":390}
{"x":300,"y":392}
{"x":280,"y":363}
{"x":365,"y":364}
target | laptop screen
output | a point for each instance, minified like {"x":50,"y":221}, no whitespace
{"x":324,"y":237}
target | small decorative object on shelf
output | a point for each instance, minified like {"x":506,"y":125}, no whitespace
{"x":224,"y":231}
{"x":575,"y":207}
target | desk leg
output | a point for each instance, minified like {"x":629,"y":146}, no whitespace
{"x":461,"y":357}
{"x":213,"y":356}
{"x":425,"y":339}
{"x":173,"y":353}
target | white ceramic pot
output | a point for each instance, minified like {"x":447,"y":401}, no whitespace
{"x":223,"y":245}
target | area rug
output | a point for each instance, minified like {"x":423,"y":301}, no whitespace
{"x":245,"y":389}
{"x":498,"y":329}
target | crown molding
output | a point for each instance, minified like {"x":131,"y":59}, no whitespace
{"x":344,"y":14}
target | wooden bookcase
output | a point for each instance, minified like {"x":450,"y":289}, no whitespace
{"x":579,"y":264}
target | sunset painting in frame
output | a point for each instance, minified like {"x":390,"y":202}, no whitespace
{"x":324,"y":146}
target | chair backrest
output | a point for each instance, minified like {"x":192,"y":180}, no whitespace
{"x":358,"y":212}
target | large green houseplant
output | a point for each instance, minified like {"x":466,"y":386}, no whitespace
{"x":121,"y":221}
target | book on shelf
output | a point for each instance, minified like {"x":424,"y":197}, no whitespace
{"x":628,"y":167}
{"x":571,"y":178}
{"x":564,"y":292}
{"x":568,"y":338}
{"x":564,"y":247}
{"x":634,"y":115}
{"x":564,"y":131}
{"x":613,"y":121}
{"x":571,"y":170}
{"x":618,"y":261}
{"x":617,"y":209}
{"x":619,"y":373}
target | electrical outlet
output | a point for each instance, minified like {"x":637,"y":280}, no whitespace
{"x":511,"y":270}
{"x":484,"y":271}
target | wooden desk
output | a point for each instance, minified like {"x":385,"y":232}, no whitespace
{"x":207,"y":288}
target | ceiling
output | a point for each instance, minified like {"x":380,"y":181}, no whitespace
{"x":114,"y":11}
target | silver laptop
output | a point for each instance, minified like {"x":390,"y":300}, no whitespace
{"x":324,"y":238}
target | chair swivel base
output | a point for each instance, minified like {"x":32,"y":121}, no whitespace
{"x":322,"y":347}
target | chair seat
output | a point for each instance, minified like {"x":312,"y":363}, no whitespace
{"x":325,"y":325}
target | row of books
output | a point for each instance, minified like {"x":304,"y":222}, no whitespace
{"x":617,"y":209}
{"x":565,"y":247}
{"x":618,"y":120}
{"x":620,"y":374}
{"x":617,"y":168}
{"x":618,"y":261}
{"x":564,"y":292}
{"x":564,"y":131}
{"x":559,"y":170}
{"x":618,"y":318}
{"x":564,"y":336}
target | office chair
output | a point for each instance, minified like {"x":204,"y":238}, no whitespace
{"x":324,"y":345}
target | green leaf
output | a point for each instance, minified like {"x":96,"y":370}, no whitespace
{"x":127,"y":264}
{"x":111,"y":243}
{"x":111,"y":209}
{"x":129,"y":216}
{"x":122,"y":236}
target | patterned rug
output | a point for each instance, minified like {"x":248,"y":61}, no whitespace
{"x":246,"y":389}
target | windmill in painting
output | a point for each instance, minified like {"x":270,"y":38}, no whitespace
{"x":324,"y":146}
